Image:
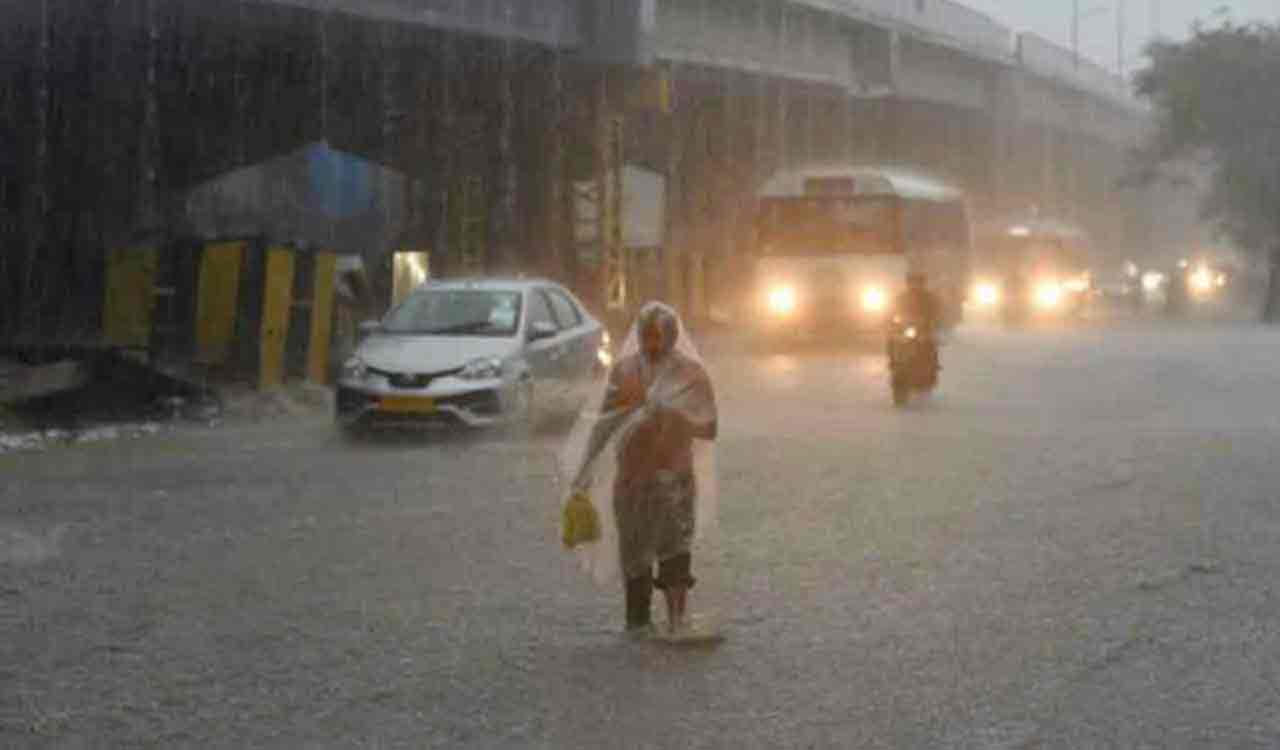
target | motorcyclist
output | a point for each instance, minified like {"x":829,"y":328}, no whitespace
{"x":919,"y":307}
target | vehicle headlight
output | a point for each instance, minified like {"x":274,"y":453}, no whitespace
{"x":911,"y":332}
{"x":874,"y":299}
{"x":1048,"y":294}
{"x":484,"y":368}
{"x":1152,"y":281}
{"x":355,"y":369}
{"x":605,"y":353}
{"x":1201,"y":281}
{"x":986,"y":294}
{"x":782,"y":300}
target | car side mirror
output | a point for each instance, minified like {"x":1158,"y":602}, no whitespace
{"x":542,"y":330}
{"x":370,"y":327}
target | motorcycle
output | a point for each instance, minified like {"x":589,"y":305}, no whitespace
{"x":913,"y":361}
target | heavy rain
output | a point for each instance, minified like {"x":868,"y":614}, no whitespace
{"x":638,"y":373}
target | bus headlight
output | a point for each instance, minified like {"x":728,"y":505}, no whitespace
{"x":874,"y":299}
{"x":1048,"y":295}
{"x":986,"y":294}
{"x":782,"y":300}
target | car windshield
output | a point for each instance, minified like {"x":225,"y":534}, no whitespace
{"x":460,"y":312}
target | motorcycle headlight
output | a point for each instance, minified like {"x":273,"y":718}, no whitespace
{"x":355,"y":369}
{"x":911,"y":332}
{"x":874,"y":299}
{"x":782,"y":300}
{"x":484,"y":368}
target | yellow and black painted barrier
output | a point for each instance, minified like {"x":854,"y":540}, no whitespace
{"x":246,"y":308}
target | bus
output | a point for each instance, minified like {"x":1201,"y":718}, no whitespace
{"x":1032,"y":267}
{"x":834,"y":243}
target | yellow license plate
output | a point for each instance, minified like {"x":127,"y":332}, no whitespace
{"x":407,"y":405}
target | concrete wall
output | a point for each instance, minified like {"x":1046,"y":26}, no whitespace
{"x":930,"y":73}
{"x":765,"y":36}
{"x":1045,"y":59}
{"x":620,"y":31}
{"x":942,"y":21}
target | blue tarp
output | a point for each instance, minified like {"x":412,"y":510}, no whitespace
{"x":316,"y":196}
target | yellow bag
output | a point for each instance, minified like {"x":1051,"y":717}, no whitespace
{"x":579,"y":522}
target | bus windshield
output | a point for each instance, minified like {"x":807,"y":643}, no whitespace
{"x":1036,"y":253}
{"x":827,"y":226}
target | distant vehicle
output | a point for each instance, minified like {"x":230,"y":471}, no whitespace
{"x":1200,"y":283}
{"x":834,"y":244}
{"x":1037,"y":268}
{"x":473,"y":352}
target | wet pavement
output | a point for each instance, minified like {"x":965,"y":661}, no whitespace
{"x":1071,"y":545}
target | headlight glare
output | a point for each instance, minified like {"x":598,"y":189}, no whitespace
{"x":782,"y":300}
{"x":1201,"y":281}
{"x":1048,"y":294}
{"x":987,"y":294}
{"x":874,"y":299}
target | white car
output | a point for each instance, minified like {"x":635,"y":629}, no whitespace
{"x":473,"y":352}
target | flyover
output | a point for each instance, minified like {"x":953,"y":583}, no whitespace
{"x":512,"y":122}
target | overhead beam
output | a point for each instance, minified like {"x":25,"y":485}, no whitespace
{"x":555,"y":23}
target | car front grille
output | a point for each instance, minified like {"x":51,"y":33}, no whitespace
{"x":413,"y":379}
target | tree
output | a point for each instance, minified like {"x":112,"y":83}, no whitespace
{"x":1216,"y":108}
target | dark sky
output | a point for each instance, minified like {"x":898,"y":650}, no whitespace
{"x":1052,"y":19}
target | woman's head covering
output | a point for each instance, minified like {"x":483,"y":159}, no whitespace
{"x":656,"y":315}
{"x":589,"y":460}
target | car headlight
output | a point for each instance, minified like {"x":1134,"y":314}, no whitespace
{"x":485,"y":368}
{"x":986,"y":294}
{"x":1048,"y":294}
{"x":782,"y":300}
{"x":604,"y":354}
{"x":874,"y":299}
{"x":355,"y":369}
{"x":911,"y":332}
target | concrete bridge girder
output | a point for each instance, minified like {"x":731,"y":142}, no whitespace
{"x":555,"y":23}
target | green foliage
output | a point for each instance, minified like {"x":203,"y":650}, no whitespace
{"x":1216,"y":107}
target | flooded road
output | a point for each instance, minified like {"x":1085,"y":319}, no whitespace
{"x":1071,"y":544}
